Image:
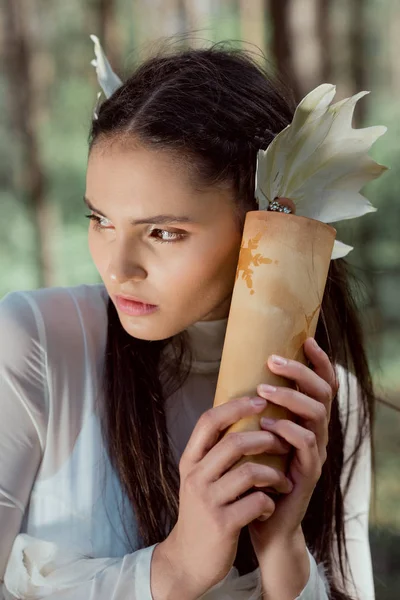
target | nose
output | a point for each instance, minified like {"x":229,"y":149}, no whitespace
{"x":125,"y":265}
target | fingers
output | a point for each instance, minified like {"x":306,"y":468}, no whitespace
{"x":321,"y":363}
{"x":247,"y":475}
{"x":213,"y":422}
{"x":319,"y":384}
{"x":304,"y":441}
{"x":235,"y":445}
{"x":314,"y":413}
{"x":249,"y":508}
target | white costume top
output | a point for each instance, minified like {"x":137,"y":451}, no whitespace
{"x":60,"y":497}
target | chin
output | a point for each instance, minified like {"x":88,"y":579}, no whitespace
{"x":143,"y":329}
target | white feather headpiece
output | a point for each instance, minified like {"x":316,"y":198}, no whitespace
{"x":320,"y":162}
{"x":108,"y":80}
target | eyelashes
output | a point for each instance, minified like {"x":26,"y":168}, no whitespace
{"x":97,"y":225}
{"x":96,"y":222}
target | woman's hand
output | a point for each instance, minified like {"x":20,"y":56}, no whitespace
{"x":201,"y":548}
{"x":311,"y":402}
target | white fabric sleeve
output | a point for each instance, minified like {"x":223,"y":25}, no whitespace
{"x":358,"y":569}
{"x":22,"y":407}
{"x":39,"y":569}
{"x":32,"y":569}
{"x":317,"y":587}
{"x":249,"y":587}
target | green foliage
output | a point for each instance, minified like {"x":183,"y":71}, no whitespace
{"x":385,"y":551}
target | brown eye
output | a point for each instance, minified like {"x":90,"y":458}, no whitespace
{"x":170,"y":235}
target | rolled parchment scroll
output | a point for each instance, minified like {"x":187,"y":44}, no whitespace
{"x":280,"y":280}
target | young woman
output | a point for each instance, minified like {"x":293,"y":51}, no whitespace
{"x":115,"y":480}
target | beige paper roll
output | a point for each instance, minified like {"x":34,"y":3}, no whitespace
{"x":280,"y":280}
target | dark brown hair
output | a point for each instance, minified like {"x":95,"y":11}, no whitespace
{"x":217,"y":106}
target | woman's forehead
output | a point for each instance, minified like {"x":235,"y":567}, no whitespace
{"x":151,"y":181}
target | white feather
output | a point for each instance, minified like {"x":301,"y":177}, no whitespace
{"x":108,"y":80}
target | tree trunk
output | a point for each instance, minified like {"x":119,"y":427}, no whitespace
{"x":393,"y":25}
{"x":108,"y":31}
{"x":281,"y":43}
{"x":196,"y":15}
{"x":155,"y":20}
{"x":324,"y":34}
{"x":19,"y":47}
{"x":252,"y":22}
{"x":366,"y":227}
{"x":357,"y":43}
{"x":305,"y":45}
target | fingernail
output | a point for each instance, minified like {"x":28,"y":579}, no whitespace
{"x":266,"y":388}
{"x":263,"y":517}
{"x":314,"y":343}
{"x":278,"y":360}
{"x":258,"y":401}
{"x":267,"y":421}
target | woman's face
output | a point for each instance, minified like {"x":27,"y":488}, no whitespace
{"x":187,"y":268}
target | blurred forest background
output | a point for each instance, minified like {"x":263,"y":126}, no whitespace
{"x":47,"y":95}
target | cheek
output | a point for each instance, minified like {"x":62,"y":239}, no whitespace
{"x":220,"y":264}
{"x":97,"y":251}
{"x":223,"y":268}
{"x":207,"y":274}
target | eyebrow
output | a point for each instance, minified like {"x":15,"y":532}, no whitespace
{"x":156,"y":219}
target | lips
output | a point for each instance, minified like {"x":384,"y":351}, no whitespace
{"x":134,"y":308}
{"x":134,"y":299}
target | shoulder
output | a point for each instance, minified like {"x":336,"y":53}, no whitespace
{"x":50,"y":318}
{"x":52,"y":346}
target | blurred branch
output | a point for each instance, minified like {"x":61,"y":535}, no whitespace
{"x":385,"y":402}
{"x":18,"y":50}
